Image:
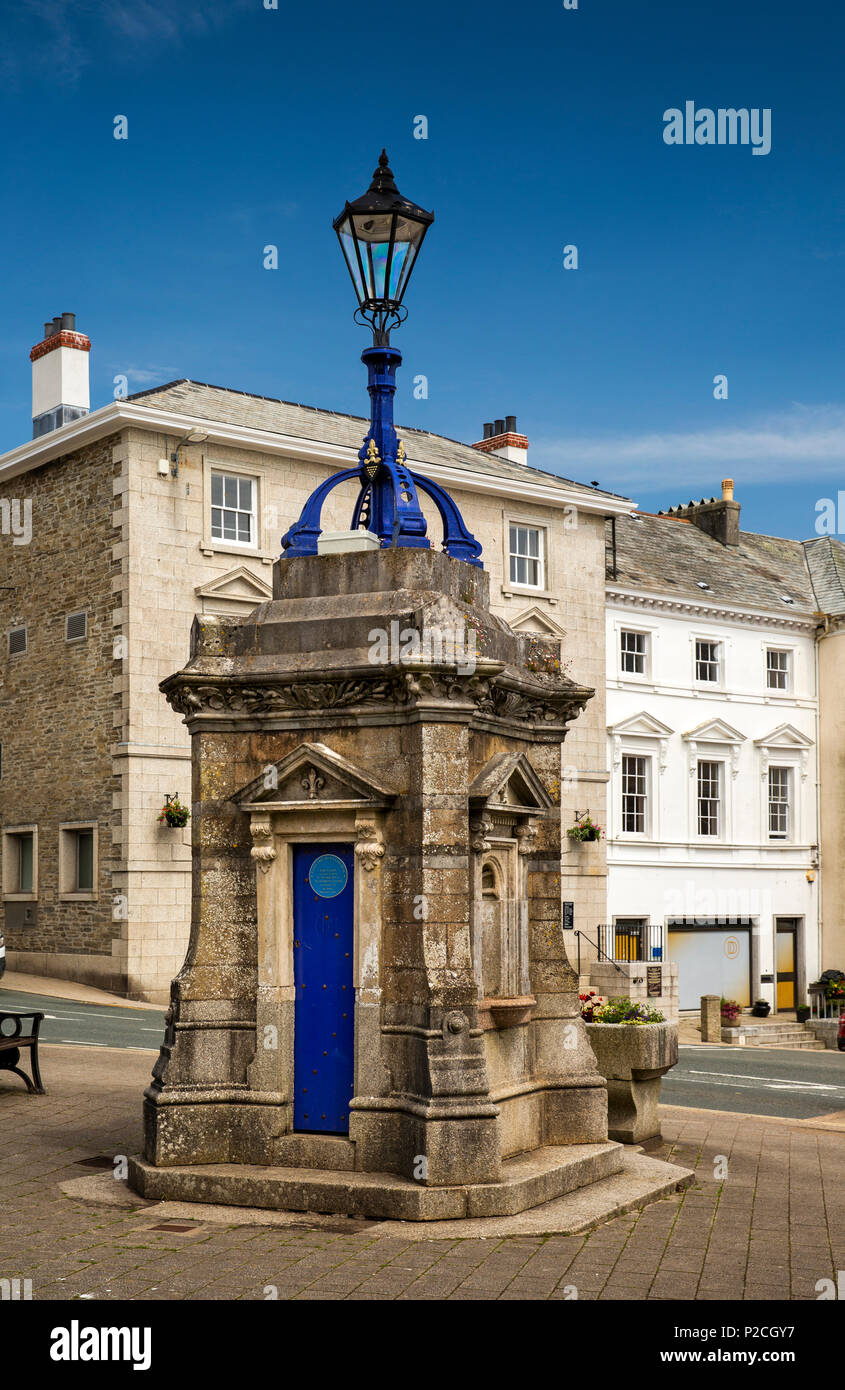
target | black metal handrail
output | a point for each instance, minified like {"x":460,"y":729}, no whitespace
{"x":625,"y":941}
{"x":622,"y":941}
{"x":602,"y":955}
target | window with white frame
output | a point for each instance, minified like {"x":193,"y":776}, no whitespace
{"x":779,"y":802}
{"x":709,"y":798}
{"x":777,"y":669}
{"x":233,"y":509}
{"x":633,"y":652}
{"x":708,"y":660}
{"x":526,"y":556}
{"x":634,"y":794}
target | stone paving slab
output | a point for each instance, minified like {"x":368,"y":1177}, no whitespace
{"x":765,"y":1218}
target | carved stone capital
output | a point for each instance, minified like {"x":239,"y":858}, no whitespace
{"x":369,"y":847}
{"x":479,"y":829}
{"x":263,"y":850}
{"x":526,"y":836}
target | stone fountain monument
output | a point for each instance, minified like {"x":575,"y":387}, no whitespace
{"x":377,"y":1014}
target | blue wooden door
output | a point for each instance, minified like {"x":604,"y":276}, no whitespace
{"x":324,"y":1032}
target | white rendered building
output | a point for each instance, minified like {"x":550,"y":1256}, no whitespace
{"x":713,"y":737}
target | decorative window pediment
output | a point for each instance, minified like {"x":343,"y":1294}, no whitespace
{"x":640,"y":725}
{"x":535,"y":620}
{"x":644,"y":726}
{"x":236,"y":592}
{"x":509,"y":782}
{"x":783,"y":741}
{"x":312,"y":775}
{"x":784,"y":736}
{"x":714,"y":731}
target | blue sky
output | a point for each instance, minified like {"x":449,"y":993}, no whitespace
{"x":249,"y":127}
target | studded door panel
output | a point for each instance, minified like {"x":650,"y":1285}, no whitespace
{"x":324,"y":1034}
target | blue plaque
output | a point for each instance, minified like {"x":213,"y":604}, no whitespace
{"x":328,"y":876}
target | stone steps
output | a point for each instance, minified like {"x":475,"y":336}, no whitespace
{"x":529,"y":1179}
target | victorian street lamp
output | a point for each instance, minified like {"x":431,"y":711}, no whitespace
{"x":380,"y":235}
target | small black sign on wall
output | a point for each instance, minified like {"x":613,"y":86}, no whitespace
{"x":568,"y":916}
{"x":654,"y":981}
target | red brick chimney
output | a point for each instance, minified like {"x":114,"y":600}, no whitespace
{"x":501,"y":438}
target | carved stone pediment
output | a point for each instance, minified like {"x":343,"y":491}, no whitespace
{"x":509,"y":782}
{"x":313,"y":775}
{"x":236,"y":592}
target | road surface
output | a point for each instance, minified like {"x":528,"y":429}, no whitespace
{"x":757,"y":1081}
{"x":97,"y":1025}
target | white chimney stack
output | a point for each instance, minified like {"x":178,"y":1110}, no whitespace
{"x":59,"y":376}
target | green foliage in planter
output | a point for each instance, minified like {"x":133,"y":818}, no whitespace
{"x":622,"y":1010}
{"x":584,"y":829}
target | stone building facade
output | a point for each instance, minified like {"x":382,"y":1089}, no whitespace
{"x":125,"y":530}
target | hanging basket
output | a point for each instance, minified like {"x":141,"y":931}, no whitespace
{"x":174,"y":815}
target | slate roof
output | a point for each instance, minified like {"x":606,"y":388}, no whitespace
{"x":666,"y":555}
{"x":826,"y":563}
{"x":329,"y":427}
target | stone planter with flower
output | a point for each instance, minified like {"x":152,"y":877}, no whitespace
{"x":634,"y":1048}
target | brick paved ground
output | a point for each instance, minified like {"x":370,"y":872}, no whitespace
{"x":768,"y":1230}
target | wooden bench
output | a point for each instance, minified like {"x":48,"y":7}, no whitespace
{"x":11,"y":1044}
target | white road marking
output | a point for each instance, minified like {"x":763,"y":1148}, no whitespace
{"x":767,"y":1080}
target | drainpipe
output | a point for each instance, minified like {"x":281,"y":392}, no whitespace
{"x":821,"y":633}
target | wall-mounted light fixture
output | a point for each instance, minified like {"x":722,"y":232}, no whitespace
{"x":171,"y":466}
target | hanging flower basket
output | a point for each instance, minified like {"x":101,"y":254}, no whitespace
{"x":584,"y":829}
{"x":174,"y":814}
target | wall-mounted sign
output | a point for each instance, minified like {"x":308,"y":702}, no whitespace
{"x":654,"y":980}
{"x":568,"y":916}
{"x":328,"y":876}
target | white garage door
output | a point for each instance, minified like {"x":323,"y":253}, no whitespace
{"x":711,"y":960}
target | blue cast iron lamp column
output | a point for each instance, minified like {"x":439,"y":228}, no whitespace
{"x":380,"y":235}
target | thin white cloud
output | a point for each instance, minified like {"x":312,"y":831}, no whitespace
{"x":143,"y":376}
{"x":65,"y":33}
{"x":779,"y":447}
